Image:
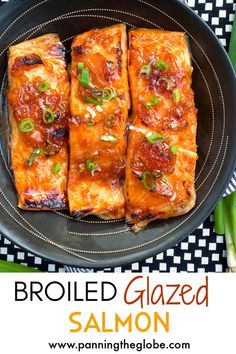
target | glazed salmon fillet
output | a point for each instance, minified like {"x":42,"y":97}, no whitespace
{"x":162,"y":141}
{"x":38,"y":100}
{"x":99,"y":108}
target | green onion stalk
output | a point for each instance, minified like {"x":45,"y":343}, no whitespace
{"x":225,"y":211}
{"x":9,"y":267}
{"x":225,"y":224}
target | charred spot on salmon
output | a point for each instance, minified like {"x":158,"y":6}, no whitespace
{"x":129,"y":223}
{"x":58,"y":50}
{"x":82,"y":213}
{"x":32,"y":60}
{"x":61,"y":133}
{"x":135,"y":214}
{"x":78,"y":50}
{"x":28,"y":60}
{"x":147,"y":216}
{"x":35,"y":205}
{"x":52,"y":201}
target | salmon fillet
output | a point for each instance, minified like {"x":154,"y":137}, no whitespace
{"x":162,"y":142}
{"x":38,"y":100}
{"x":99,"y":107}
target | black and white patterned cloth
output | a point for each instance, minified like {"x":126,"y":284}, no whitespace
{"x":202,"y":251}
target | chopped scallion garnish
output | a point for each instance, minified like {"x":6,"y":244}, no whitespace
{"x":90,"y":123}
{"x":109,"y":94}
{"x":56,"y":168}
{"x":109,"y":121}
{"x":91,"y":166}
{"x":154,"y":101}
{"x":154,"y":138}
{"x":176,"y":95}
{"x":48,"y":116}
{"x":80,"y":65}
{"x":174,"y":149}
{"x":225,"y":223}
{"x":93,"y":101}
{"x":157,"y":174}
{"x":105,"y":94}
{"x":146,"y":68}
{"x":84,"y":77}
{"x":44,"y":86}
{"x":26,"y":125}
{"x":168,"y":82}
{"x":147,"y":180}
{"x":109,"y":138}
{"x":161,"y":65}
{"x":32,"y":157}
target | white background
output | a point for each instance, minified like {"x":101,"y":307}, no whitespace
{"x":27,"y":327}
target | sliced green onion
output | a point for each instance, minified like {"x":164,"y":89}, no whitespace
{"x":97,"y":92}
{"x":161,"y":65}
{"x":49,"y":153}
{"x":91,"y":166}
{"x":80,"y":65}
{"x":44,"y":86}
{"x":154,"y":101}
{"x":48,"y":116}
{"x":147,"y":180}
{"x":45,"y":152}
{"x":109,"y":94}
{"x":109,"y":138}
{"x":174,"y":149}
{"x":32,"y":157}
{"x":109,"y":121}
{"x":169,"y":83}
{"x":157,"y":174}
{"x":84,"y":77}
{"x":56,"y":168}
{"x":164,"y":179}
{"x":105,"y":94}
{"x":90,"y":123}
{"x":154,"y":138}
{"x":176,"y":95}
{"x":26,"y":125}
{"x":93,"y":100}
{"x":146,"y":68}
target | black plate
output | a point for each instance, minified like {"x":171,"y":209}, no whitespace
{"x":92,"y":242}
